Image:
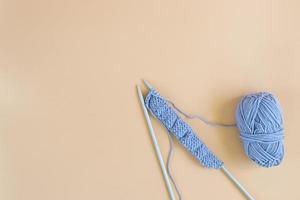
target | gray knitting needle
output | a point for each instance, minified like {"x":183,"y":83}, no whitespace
{"x":237,"y":183}
{"x":223,"y":168}
{"x":156,"y":145}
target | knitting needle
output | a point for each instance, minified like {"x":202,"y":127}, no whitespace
{"x":148,"y":84}
{"x":236,"y":183}
{"x":223,"y":169}
{"x":156,"y":145}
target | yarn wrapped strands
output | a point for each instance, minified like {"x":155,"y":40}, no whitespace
{"x":160,"y":108}
{"x":260,"y":121}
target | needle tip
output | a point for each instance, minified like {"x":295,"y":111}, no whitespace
{"x":147,"y":84}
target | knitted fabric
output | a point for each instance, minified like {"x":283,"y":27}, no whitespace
{"x":161,"y":110}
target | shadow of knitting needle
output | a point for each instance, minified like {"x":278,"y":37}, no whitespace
{"x":223,"y":168}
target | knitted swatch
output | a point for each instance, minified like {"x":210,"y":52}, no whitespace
{"x":160,"y":109}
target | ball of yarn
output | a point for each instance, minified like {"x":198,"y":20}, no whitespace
{"x":260,"y":121}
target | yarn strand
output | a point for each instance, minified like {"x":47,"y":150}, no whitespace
{"x":210,"y":123}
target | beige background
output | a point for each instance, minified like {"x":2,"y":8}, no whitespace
{"x":71,"y":124}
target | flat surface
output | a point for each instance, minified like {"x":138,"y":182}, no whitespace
{"x":71,"y":124}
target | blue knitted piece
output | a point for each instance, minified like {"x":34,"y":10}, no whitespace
{"x":160,"y":108}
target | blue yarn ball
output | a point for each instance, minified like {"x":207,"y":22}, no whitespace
{"x":260,"y":121}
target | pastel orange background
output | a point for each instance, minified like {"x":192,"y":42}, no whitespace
{"x":71,"y":124}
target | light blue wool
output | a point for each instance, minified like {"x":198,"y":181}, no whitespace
{"x":259,"y":119}
{"x":160,"y":108}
